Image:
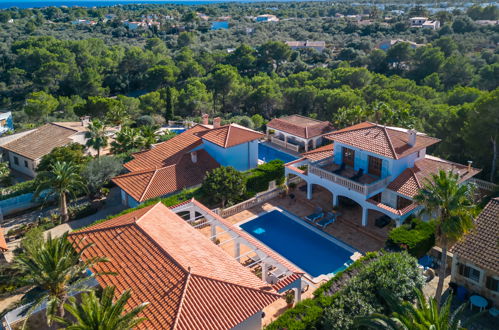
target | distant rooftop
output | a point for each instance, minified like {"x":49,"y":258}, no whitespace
{"x":301,"y":126}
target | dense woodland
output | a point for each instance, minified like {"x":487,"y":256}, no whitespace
{"x":51,"y":69}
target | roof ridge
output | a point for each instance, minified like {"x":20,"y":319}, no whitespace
{"x":87,"y":230}
{"x":347,"y":129}
{"x":58,"y":125}
{"x":390,"y":144}
{"x":148,"y":185}
{"x":184,"y":292}
{"x":145,"y":213}
{"x":415,"y":177}
{"x":226,"y":142}
{"x":236,"y":284}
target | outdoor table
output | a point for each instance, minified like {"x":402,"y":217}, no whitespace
{"x":478,"y":301}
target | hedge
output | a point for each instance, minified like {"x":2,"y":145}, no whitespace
{"x":258,"y":179}
{"x":18,"y":189}
{"x":418,"y":237}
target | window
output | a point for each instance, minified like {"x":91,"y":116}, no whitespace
{"x":402,"y":203}
{"x":348,"y":156}
{"x":469,"y":272}
{"x":16,"y":160}
{"x":375,"y":165}
{"x":25,"y":163}
{"x":492,"y":283}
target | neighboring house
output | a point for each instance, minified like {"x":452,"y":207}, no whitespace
{"x":3,"y":243}
{"x":475,"y":264}
{"x":24,"y":151}
{"x":182,"y":162}
{"x":297,"y":132}
{"x":220,"y":25}
{"x":134,"y":25}
{"x":387,"y":44}
{"x":317,"y":45}
{"x":380,"y":168}
{"x":424,"y":22}
{"x":6,"y":122}
{"x":83,"y":22}
{"x":189,"y":281}
{"x":267,"y":18}
{"x":433,"y":25}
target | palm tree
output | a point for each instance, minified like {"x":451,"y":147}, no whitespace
{"x":94,"y":313}
{"x":407,"y":316}
{"x":149,"y":136}
{"x":452,"y":206}
{"x":62,"y":180}
{"x":127,"y":139}
{"x":55,"y":270}
{"x":96,"y":136}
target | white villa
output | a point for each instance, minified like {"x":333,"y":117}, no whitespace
{"x":297,"y":132}
{"x":380,"y":168}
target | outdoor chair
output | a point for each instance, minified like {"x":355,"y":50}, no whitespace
{"x":357,"y":175}
{"x":331,"y":217}
{"x":318,"y":213}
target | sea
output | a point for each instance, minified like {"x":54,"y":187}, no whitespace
{"x":101,"y":3}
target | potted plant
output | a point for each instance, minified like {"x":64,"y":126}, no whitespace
{"x":289,"y":297}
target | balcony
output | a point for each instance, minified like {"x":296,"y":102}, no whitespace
{"x":366,"y":184}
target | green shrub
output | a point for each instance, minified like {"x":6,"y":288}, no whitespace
{"x":258,"y":179}
{"x":17,"y":189}
{"x":417,"y":237}
{"x":81,"y":210}
{"x":303,"y":315}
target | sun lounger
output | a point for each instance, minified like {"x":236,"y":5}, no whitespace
{"x":326,"y":221}
{"x":314,"y":216}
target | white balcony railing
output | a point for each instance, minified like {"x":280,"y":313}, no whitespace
{"x":284,"y":144}
{"x":364,"y":189}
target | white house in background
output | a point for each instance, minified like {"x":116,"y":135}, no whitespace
{"x":83,"y":22}
{"x":267,"y":18}
{"x":433,"y":25}
{"x":387,"y":44}
{"x":380,"y":168}
{"x":6,"y":122}
{"x":424,"y":22}
{"x":475,"y":264}
{"x":134,"y":25}
{"x":317,"y":45}
{"x":297,"y":132}
{"x":25,"y":150}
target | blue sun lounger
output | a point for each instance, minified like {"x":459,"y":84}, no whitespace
{"x":314,"y":216}
{"x":327,"y":220}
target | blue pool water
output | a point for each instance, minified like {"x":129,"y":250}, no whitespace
{"x":307,"y":249}
{"x":177,"y":130}
{"x":267,"y":153}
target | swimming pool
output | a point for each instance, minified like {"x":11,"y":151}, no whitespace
{"x":312,"y":251}
{"x":267,"y":153}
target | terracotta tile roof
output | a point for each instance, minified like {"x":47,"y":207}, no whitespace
{"x":230,"y":135}
{"x":168,"y":152}
{"x":301,"y":126}
{"x":481,"y":245}
{"x":411,"y":180}
{"x":319,"y":153}
{"x":3,"y":243}
{"x":403,"y":211}
{"x":151,"y":183}
{"x":391,"y":142}
{"x":189,"y":282}
{"x":251,"y":239}
{"x":41,"y":141}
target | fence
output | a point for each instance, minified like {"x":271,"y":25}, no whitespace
{"x":249,"y":203}
{"x":483,"y":185}
{"x":284,"y":144}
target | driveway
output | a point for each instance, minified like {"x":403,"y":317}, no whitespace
{"x":113,"y":206}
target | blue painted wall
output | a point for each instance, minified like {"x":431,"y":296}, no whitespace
{"x":126,"y":199}
{"x":242,"y":157}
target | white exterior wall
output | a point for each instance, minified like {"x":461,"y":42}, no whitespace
{"x":251,"y":323}
{"x":21,"y":166}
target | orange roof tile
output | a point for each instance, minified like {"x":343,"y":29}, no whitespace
{"x":480,"y":245}
{"x":301,"y":126}
{"x":386,"y":141}
{"x":319,"y":153}
{"x":230,"y":135}
{"x":411,"y":180}
{"x":168,"y":152}
{"x":3,"y":243}
{"x":189,"y":282}
{"x":147,"y":184}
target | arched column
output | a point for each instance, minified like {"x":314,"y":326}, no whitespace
{"x":309,"y":190}
{"x":365,"y":212}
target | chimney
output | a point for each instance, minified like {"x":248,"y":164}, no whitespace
{"x":412,"y":137}
{"x":216,"y":122}
{"x":469,"y":165}
{"x":85,"y":120}
{"x":194,"y":157}
{"x":205,"y":117}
